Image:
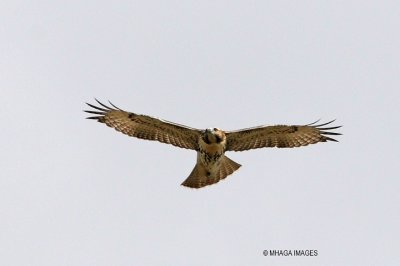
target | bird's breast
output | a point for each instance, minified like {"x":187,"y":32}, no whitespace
{"x":210,"y":154}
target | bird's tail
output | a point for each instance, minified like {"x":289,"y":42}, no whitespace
{"x":199,"y":177}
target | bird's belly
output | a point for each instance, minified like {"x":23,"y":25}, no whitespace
{"x":211,"y":161}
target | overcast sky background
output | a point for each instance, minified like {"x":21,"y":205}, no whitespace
{"x":74,"y":192}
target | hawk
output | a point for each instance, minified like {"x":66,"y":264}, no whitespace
{"x":210,"y":144}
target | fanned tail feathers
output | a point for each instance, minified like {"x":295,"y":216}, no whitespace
{"x":199,"y":177}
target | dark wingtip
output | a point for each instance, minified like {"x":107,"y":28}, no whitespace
{"x":102,"y":104}
{"x":325,"y":131}
{"x":100,"y":111}
{"x":329,"y":133}
{"x":331,"y":139}
{"x":313,"y":123}
{"x":93,"y":117}
{"x":114,"y":105}
{"x":324,"y":124}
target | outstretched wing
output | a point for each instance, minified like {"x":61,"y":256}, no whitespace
{"x":145,"y":127}
{"x":279,"y":136}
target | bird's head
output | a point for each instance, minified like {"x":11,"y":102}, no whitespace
{"x":213,"y":135}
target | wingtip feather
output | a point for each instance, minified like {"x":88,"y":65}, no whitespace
{"x":313,"y":122}
{"x":331,"y":139}
{"x":324,"y":124}
{"x":114,"y":105}
{"x":102,"y":104}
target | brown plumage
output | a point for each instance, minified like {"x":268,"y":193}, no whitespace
{"x":212,"y":165}
{"x":279,"y":136}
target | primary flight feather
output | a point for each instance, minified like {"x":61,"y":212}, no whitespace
{"x":212,"y":164}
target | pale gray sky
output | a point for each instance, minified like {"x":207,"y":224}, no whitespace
{"x":74,"y":192}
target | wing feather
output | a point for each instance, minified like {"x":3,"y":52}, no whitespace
{"x":145,"y":127}
{"x":280,"y":136}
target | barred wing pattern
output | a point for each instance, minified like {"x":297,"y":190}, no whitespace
{"x":279,"y":136}
{"x":145,"y":127}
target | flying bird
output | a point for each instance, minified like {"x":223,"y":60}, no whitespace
{"x":212,"y":164}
